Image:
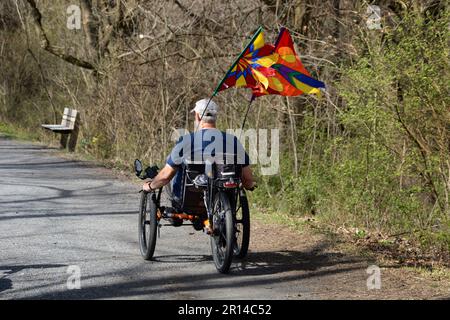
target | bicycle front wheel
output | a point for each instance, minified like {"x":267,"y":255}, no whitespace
{"x":147,"y":225}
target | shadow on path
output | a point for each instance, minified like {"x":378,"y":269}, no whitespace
{"x":273,"y":269}
{"x":6,"y":283}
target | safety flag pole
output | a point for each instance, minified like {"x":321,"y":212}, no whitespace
{"x":237,"y":59}
{"x":246,"y":114}
{"x":229,"y":70}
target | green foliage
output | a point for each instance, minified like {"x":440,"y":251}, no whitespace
{"x":13,"y":131}
{"x":386,"y":169}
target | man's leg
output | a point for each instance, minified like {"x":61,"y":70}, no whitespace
{"x":170,"y":203}
{"x":166,"y":196}
{"x":176,"y":189}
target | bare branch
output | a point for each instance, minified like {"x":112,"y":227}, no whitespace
{"x":45,"y":43}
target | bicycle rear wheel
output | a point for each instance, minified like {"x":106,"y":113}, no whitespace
{"x":242,"y":226}
{"x":223,"y":238}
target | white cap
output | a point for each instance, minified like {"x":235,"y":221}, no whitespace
{"x":200,"y":107}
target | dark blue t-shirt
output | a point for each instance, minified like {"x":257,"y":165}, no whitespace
{"x":203,"y":144}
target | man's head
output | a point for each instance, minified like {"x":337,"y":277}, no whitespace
{"x":205,"y":112}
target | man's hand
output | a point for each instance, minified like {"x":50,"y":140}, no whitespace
{"x":163,"y":178}
{"x":247,"y":178}
{"x":251,"y":187}
{"x":146,"y":186}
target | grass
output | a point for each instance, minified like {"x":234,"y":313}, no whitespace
{"x":437,"y":273}
{"x":14,"y":132}
{"x":295,"y":222}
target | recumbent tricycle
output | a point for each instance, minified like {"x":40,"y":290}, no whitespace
{"x":213,"y":200}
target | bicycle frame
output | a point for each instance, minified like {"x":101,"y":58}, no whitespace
{"x":215,"y":184}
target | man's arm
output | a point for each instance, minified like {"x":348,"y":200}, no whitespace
{"x":246,"y":175}
{"x":163,"y":178}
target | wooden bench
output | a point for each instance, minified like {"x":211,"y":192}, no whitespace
{"x":69,"y":126}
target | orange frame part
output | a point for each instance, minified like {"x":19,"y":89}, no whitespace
{"x":183,"y":216}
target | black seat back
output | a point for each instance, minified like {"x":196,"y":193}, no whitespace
{"x":192,"y":201}
{"x":225,"y":166}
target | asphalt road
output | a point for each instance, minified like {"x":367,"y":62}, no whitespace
{"x":58,"y":216}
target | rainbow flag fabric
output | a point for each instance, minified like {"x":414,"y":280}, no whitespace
{"x":268,"y":69}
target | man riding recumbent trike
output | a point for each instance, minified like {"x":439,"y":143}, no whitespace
{"x":204,"y":182}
